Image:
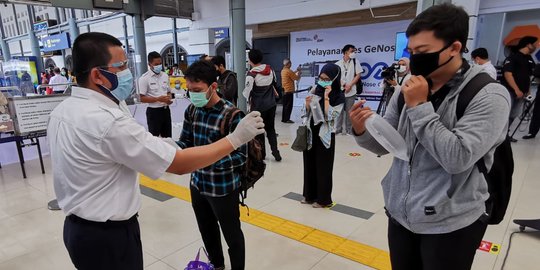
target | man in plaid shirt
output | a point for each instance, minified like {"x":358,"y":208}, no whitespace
{"x":214,"y":189}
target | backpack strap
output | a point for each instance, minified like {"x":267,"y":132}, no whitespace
{"x":469,"y":92}
{"x":225,"y":126}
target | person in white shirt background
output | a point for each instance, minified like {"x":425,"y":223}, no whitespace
{"x":403,"y":74}
{"x":58,"y":79}
{"x":480,"y":57}
{"x":350,"y":74}
{"x":154,"y":89}
{"x":97,"y":150}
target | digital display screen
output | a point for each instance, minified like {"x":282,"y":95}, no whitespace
{"x":401,"y":46}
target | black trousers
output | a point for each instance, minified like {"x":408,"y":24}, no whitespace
{"x":449,"y":251}
{"x":159,"y":121}
{"x":110,"y":245}
{"x":225,"y":210}
{"x":269,"y":117}
{"x":534,"y":126}
{"x":318,"y":169}
{"x":288,"y":99}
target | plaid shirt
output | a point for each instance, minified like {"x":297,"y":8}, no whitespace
{"x":202,"y":127}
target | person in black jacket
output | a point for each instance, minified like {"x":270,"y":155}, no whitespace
{"x":227,"y":82}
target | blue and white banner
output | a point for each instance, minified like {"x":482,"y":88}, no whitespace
{"x":375,"y":43}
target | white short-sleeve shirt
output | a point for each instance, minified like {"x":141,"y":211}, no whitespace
{"x":348,"y":73}
{"x":96,"y":151}
{"x":490,"y":69}
{"x":58,"y":79}
{"x":154,"y":85}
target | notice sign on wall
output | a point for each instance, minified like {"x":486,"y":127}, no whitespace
{"x":32,"y":114}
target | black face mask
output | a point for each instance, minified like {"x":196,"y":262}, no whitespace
{"x":426,"y":63}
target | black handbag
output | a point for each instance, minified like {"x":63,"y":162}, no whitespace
{"x":300,"y":144}
{"x":359,"y":84}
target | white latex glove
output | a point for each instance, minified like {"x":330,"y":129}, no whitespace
{"x":249,"y":127}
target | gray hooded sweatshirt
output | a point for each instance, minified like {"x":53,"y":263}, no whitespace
{"x":440,"y":190}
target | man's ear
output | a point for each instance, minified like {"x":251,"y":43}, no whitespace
{"x":456,"y":48}
{"x":96,"y":77}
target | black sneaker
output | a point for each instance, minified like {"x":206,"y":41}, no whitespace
{"x":529,"y":136}
{"x":277,"y":156}
{"x":513,"y":140}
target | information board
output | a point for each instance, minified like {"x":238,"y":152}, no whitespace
{"x":31,"y":114}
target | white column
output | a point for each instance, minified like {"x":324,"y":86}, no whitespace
{"x":201,"y":42}
{"x":472,"y":7}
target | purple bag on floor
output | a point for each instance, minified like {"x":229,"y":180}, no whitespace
{"x":199,"y":265}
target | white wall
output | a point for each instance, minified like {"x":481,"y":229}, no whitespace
{"x":215,"y":13}
{"x":498,"y":6}
{"x":489,"y":29}
{"x":489,"y":34}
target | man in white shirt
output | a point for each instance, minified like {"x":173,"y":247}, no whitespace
{"x":155,"y":90}
{"x":58,"y":79}
{"x":97,"y":150}
{"x":480,"y":57}
{"x":350,"y":74}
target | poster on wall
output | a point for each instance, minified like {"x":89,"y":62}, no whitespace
{"x":21,"y":72}
{"x":376,"y":47}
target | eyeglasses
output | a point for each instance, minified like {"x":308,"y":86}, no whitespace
{"x":119,"y":65}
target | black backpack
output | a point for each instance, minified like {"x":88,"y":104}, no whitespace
{"x":254,"y":168}
{"x":499,"y":178}
{"x":359,"y":84}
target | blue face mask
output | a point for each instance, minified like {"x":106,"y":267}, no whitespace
{"x":157,"y":69}
{"x":324,"y":84}
{"x":121,"y":84}
{"x":177,"y":86}
{"x":199,"y":99}
{"x":125,"y":85}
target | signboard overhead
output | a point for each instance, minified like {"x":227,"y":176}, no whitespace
{"x":56,"y":42}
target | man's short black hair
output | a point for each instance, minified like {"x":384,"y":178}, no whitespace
{"x":91,"y":50}
{"x":480,"y":52}
{"x":255,"y":56}
{"x":526,"y":40}
{"x":56,"y":70}
{"x":202,"y":71}
{"x":448,"y":22}
{"x":346,"y":48}
{"x":153,"y":55}
{"x":218,"y":60}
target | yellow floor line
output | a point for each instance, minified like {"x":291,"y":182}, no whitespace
{"x":352,"y":250}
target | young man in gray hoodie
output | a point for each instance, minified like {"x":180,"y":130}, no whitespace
{"x":436,"y":200}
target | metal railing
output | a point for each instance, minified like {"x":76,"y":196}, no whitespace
{"x":40,"y":89}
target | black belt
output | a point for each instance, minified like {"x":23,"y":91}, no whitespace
{"x":159,"y":108}
{"x":107,"y":223}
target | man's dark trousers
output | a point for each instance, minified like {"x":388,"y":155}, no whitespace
{"x":288,"y":99}
{"x":225,"y":210}
{"x":110,"y":245}
{"x":159,"y":121}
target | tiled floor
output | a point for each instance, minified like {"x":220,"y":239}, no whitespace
{"x":30,"y":235}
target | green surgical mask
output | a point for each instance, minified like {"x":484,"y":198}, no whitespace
{"x":199,"y":99}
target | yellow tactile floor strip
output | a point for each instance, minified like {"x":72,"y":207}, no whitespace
{"x":358,"y":252}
